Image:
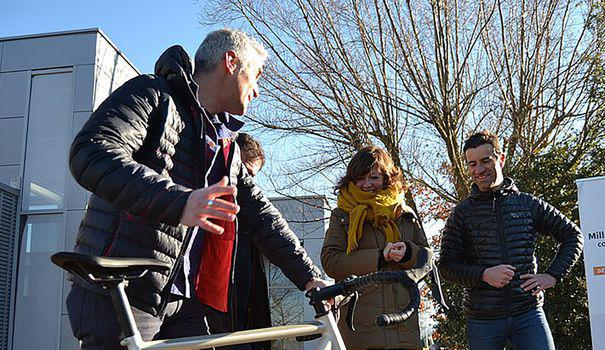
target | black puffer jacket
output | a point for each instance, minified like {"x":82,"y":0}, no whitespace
{"x":140,"y":154}
{"x":501,"y":227}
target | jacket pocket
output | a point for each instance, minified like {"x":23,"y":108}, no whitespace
{"x":114,"y":237}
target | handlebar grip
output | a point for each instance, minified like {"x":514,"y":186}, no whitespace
{"x":384,"y":320}
{"x":403,"y":315}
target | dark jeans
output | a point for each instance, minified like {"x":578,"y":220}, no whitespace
{"x":94,"y":322}
{"x":528,"y":330}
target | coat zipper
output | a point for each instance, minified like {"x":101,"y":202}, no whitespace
{"x":503,"y":247}
{"x":383,"y":287}
{"x":199,"y":126}
{"x":234,"y":309}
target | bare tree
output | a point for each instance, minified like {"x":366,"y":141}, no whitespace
{"x":416,"y":76}
{"x":539,"y":50}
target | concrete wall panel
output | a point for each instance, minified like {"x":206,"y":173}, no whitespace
{"x":102,"y":88}
{"x":123,"y":73}
{"x":11,"y":141}
{"x":106,"y":56}
{"x":112,"y":70}
{"x":83,"y":93}
{"x":48,"y":52}
{"x":13,"y":94}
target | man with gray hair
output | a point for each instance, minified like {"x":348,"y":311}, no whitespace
{"x":167,"y":182}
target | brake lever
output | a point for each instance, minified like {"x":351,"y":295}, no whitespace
{"x":351,"y":310}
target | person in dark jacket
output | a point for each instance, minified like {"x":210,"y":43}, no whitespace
{"x":252,"y":153}
{"x":251,"y":281}
{"x":488,"y":246}
{"x":148,"y":154}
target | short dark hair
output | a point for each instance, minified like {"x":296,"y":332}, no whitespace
{"x":251,"y":149}
{"x":362,"y":163}
{"x":480,"y":138}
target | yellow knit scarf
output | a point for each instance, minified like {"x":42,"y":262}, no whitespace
{"x":380,"y":208}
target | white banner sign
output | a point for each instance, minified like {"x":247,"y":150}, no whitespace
{"x":591,"y":197}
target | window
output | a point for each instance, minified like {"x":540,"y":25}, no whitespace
{"x":39,"y":283}
{"x":50,"y":114}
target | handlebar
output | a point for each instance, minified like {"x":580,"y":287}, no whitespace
{"x":352,"y":285}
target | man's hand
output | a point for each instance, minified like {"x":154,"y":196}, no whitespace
{"x":203,"y":204}
{"x":499,"y":276}
{"x":319,"y":283}
{"x":397,"y":251}
{"x":316,"y":282}
{"x":537,"y":282}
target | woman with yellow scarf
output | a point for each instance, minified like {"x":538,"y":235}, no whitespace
{"x":373,"y":230}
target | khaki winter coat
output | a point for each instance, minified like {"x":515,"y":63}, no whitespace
{"x":379,"y":299}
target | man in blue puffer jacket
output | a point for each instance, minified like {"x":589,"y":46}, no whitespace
{"x":488,"y":247}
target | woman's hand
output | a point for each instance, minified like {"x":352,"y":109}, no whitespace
{"x":394,"y":251}
{"x":387,"y":251}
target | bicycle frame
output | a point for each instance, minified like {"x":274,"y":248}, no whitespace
{"x":330,"y":337}
{"x":114,"y":273}
{"x":324,"y":325}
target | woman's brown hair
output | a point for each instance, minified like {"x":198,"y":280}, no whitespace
{"x":363,"y":161}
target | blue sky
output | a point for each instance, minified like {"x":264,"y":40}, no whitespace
{"x":140,"y":29}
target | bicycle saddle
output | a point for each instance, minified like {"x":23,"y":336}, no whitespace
{"x":85,"y":265}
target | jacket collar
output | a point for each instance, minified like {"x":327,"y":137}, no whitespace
{"x":175,"y":66}
{"x":231,"y":122}
{"x":508,"y":187}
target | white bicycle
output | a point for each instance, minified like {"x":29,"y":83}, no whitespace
{"x":113,"y":274}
